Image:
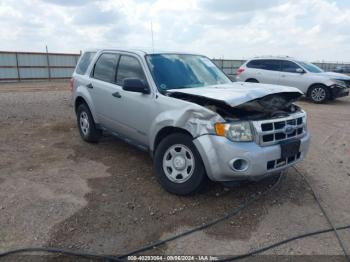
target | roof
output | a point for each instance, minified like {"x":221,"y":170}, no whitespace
{"x":274,"y":57}
{"x":140,"y":52}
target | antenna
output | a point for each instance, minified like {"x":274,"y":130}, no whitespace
{"x":152,"y":36}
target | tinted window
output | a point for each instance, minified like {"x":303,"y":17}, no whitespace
{"x":272,"y":65}
{"x":254,"y":64}
{"x":105,"y":67}
{"x":129,"y":67}
{"x":288,"y":66}
{"x":84,"y":62}
{"x":267,"y":64}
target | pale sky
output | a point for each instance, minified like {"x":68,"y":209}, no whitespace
{"x":307,"y":29}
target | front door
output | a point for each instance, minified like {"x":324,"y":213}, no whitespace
{"x":291,"y":77}
{"x":269,"y":71}
{"x":136,"y":110}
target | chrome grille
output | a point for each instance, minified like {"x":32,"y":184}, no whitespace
{"x":270,"y":132}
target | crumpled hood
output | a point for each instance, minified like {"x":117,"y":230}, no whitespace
{"x":334,"y":75}
{"x":239,"y":93}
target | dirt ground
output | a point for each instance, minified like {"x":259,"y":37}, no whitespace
{"x":58,"y":191}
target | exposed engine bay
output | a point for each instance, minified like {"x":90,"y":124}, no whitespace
{"x":267,"y":107}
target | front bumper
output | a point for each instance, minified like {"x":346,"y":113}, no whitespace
{"x":218,"y":153}
{"x":337,"y":91}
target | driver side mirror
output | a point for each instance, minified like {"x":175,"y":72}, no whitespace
{"x":135,"y":85}
{"x":300,"y":70}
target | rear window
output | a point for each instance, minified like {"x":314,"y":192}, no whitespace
{"x":84,"y":62}
{"x":105,"y":67}
{"x":254,"y":64}
{"x":266,"y":64}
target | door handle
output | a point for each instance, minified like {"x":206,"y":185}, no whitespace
{"x":90,"y":86}
{"x":117,"y":95}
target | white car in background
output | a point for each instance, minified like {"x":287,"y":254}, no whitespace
{"x":316,"y":84}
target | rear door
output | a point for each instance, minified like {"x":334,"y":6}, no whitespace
{"x":102,"y":87}
{"x":266,"y":71}
{"x":270,"y":71}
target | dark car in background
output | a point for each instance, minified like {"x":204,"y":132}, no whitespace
{"x":342,"y":69}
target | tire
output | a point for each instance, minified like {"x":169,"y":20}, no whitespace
{"x":178,"y":165}
{"x":319,"y":94}
{"x":252,"y":80}
{"x":86,"y":125}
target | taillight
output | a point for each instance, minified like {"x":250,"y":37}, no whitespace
{"x":240,"y":71}
{"x":71,"y":83}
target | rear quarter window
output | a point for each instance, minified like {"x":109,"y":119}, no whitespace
{"x":84,"y":62}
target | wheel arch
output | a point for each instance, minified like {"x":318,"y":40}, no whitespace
{"x":316,"y":84}
{"x":83,"y":96}
{"x":164,"y":132}
{"x":78,"y":101}
{"x":252,"y":80}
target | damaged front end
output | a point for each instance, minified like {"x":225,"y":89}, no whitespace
{"x":238,"y":109}
{"x":258,"y":129}
{"x":266,"y":107}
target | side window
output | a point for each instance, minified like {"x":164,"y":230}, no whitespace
{"x":129,"y":67}
{"x":84,"y":62}
{"x":105,"y":67}
{"x":288,"y":66}
{"x":254,"y":64}
{"x":272,"y":65}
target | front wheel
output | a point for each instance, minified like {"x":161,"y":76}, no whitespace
{"x":178,"y":165}
{"x":319,"y":94}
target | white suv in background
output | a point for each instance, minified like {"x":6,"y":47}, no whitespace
{"x":316,"y":84}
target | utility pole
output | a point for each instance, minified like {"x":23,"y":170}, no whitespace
{"x":48,"y":63}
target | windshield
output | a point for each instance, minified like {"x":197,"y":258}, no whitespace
{"x":311,"y":67}
{"x":174,"y":71}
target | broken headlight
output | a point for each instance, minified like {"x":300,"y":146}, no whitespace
{"x":238,"y":132}
{"x":339,"y":83}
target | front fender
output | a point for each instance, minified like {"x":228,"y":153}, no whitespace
{"x":196,"y":120}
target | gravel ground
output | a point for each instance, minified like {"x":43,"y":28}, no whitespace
{"x":56,"y":190}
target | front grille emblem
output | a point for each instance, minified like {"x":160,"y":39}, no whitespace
{"x":289,"y":129}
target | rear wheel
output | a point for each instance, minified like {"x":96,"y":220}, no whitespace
{"x":319,"y":94}
{"x":86,"y":124}
{"x":178,"y":165}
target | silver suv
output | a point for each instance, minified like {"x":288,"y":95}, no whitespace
{"x":316,"y":84}
{"x":194,"y":122}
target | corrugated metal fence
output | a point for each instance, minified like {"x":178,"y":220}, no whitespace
{"x":18,"y":66}
{"x":229,"y":66}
